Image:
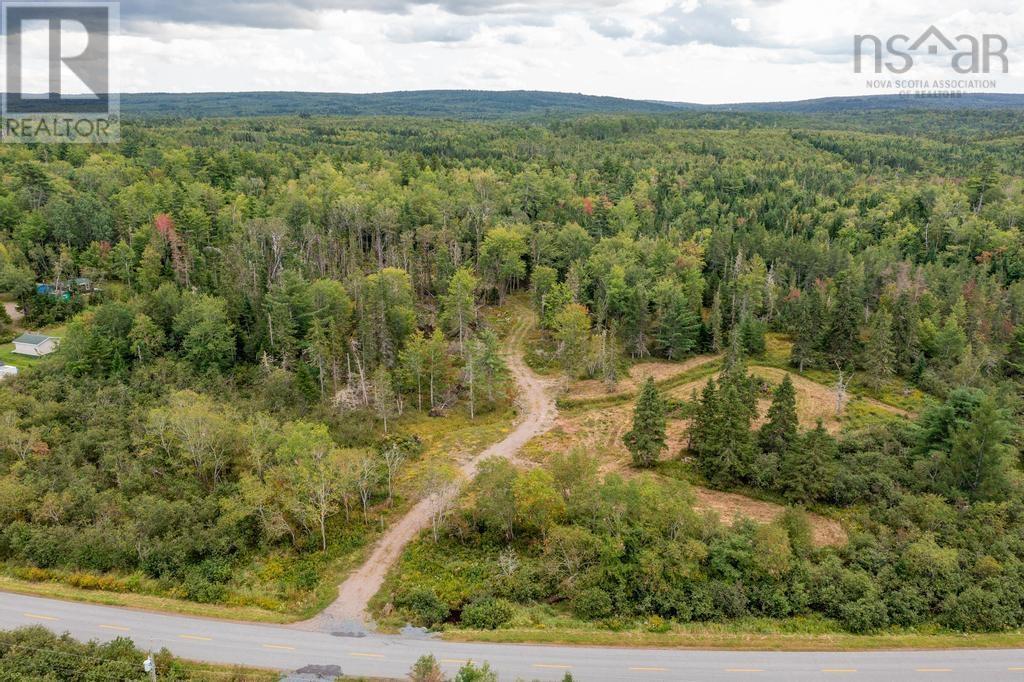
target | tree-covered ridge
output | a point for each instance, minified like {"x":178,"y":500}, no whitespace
{"x":280,"y":299}
{"x":475,"y":104}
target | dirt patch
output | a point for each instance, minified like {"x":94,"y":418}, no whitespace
{"x":13,"y":312}
{"x":658,"y":370}
{"x":732,"y":507}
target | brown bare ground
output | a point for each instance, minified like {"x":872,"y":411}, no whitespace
{"x":732,"y":507}
{"x":659,"y":370}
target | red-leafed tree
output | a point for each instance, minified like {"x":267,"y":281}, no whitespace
{"x":179,"y":252}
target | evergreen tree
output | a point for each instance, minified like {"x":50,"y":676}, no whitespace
{"x":678,"y":326}
{"x":841,"y":341}
{"x":780,"y":433}
{"x":721,"y":435}
{"x":905,"y":340}
{"x":646,"y":441}
{"x":752,"y":332}
{"x":980,"y":458}
{"x":804,"y":475}
{"x":879,"y":356}
{"x":807,"y":330}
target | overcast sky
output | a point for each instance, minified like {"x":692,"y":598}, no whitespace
{"x":694,"y":50}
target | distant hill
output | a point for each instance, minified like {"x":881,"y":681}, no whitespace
{"x":480,"y":104}
{"x":430,"y":103}
{"x":881,"y":102}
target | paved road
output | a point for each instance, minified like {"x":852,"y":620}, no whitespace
{"x":290,"y":649}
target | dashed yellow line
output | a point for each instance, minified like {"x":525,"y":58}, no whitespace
{"x":1015,"y":669}
{"x":359,"y":655}
{"x":551,"y":666}
{"x":39,"y":617}
{"x":197,"y":638}
{"x":649,"y":670}
{"x":119,"y":628}
{"x":282,"y":647}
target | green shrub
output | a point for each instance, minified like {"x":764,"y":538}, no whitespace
{"x":199,"y":589}
{"x":425,"y":607}
{"x":592,"y":604}
{"x":488,"y":613}
{"x":867,"y":614}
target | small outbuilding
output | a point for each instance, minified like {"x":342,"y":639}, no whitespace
{"x":35,"y":345}
{"x":8,"y":371}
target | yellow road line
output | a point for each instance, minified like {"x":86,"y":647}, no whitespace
{"x":649,"y":670}
{"x":279,"y":646}
{"x":358,"y":655}
{"x":196,"y":638}
{"x":1015,"y":669}
{"x":551,"y":666}
{"x":39,"y":617}
{"x":933,"y":670}
{"x":119,"y":628}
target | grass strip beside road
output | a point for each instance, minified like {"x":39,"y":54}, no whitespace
{"x":711,"y":638}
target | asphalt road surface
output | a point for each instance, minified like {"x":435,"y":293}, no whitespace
{"x":290,"y":649}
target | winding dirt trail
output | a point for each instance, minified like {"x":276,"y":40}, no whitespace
{"x":537,"y":414}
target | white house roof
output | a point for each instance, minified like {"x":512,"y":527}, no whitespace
{"x":32,"y":339}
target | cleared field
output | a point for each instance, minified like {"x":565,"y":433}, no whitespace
{"x":731,"y":507}
{"x":599,"y":432}
{"x":639,"y":373}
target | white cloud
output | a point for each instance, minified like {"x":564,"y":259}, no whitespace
{"x":694,"y":50}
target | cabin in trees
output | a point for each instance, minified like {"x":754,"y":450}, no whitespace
{"x":35,"y":345}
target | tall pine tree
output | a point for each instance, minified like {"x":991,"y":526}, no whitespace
{"x":646,"y":441}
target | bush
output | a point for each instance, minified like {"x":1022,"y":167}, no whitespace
{"x":592,"y":604}
{"x":867,"y":614}
{"x":978,"y":609}
{"x":425,"y":607}
{"x":487,"y":614}
{"x":199,"y":589}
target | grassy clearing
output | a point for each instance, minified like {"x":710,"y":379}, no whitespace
{"x":707,"y":366}
{"x":896,"y":392}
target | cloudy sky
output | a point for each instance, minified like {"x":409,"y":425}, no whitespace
{"x":689,"y":50}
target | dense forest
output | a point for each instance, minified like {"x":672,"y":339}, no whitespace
{"x":274,"y":301}
{"x":478,"y":104}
